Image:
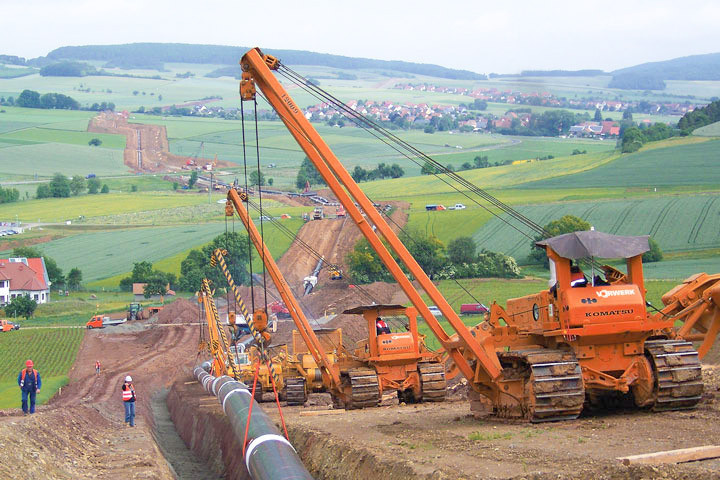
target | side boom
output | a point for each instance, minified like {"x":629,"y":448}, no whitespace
{"x":257,"y":72}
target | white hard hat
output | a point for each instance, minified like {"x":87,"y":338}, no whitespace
{"x":128,"y":378}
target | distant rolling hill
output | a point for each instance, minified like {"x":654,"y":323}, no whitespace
{"x":693,"y":67}
{"x":155,"y":55}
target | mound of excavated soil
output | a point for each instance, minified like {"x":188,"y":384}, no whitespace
{"x":180,"y":311}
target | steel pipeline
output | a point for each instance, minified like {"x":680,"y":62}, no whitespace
{"x":268,"y":455}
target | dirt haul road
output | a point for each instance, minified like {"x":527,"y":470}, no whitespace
{"x":146,"y":146}
{"x":81,"y":432}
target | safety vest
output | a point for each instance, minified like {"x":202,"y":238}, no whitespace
{"x":22,"y":375}
{"x":128,"y":393}
{"x":380,"y":324}
{"x":577,"y":278}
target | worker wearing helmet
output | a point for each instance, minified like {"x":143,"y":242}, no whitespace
{"x":29,"y":382}
{"x":128,"y":396}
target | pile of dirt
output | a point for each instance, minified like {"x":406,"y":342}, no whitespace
{"x":180,"y":311}
{"x":77,"y":442}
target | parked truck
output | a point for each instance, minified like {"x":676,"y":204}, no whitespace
{"x":318,"y":213}
{"x":102,"y":321}
{"x":7,"y":325}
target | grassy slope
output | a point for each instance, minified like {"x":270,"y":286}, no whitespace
{"x":712,"y":130}
{"x":681,"y":161}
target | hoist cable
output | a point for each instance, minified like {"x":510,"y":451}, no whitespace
{"x":252,"y":284}
{"x":259,"y":184}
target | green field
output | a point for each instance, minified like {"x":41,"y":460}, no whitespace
{"x":691,"y":164}
{"x":712,"y":130}
{"x":55,"y":135}
{"x":89,"y":206}
{"x":45,"y":159}
{"x":677,"y":223}
{"x":52,"y":350}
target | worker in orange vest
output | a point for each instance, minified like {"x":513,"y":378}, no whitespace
{"x":97,"y":367}
{"x":381,"y":326}
{"x":30,"y":383}
{"x":128,"y":396}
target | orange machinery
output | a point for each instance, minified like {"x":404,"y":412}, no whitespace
{"x":543,"y":355}
{"x":382,"y":363}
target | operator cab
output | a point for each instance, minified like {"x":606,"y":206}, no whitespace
{"x":392,"y":332}
{"x":584,"y":299}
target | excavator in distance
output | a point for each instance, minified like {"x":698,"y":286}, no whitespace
{"x":544,"y":355}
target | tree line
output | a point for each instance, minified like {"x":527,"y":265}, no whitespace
{"x":155,"y":55}
{"x":700,"y":117}
{"x":460,"y":259}
{"x":9,"y":195}
{"x":62,"y":187}
{"x":58,"y":101}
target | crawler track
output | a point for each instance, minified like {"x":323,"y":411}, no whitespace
{"x":365,"y":390}
{"x":432,"y":380}
{"x":554,"y":387}
{"x":295,"y":393}
{"x":679,"y":377}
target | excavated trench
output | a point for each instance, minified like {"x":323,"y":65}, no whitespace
{"x":200,"y":422}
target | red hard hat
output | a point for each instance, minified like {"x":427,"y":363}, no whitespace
{"x":29,"y":363}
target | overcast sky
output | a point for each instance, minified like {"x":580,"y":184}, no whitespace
{"x":501,"y":36}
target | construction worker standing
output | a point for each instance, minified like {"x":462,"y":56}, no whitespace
{"x":128,"y":396}
{"x":29,"y":382}
{"x":97,"y":367}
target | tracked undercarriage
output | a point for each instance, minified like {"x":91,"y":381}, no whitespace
{"x":678,"y":384}
{"x":432,"y":382}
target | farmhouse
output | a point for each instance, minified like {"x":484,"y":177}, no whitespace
{"x":138,"y":290}
{"x":23,"y":276}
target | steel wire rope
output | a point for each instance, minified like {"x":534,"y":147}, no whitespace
{"x":314,"y":253}
{"x":259,"y":178}
{"x":252,"y":286}
{"x":410,"y":236}
{"x":360,"y":119}
{"x":282,"y":228}
{"x":372,"y":127}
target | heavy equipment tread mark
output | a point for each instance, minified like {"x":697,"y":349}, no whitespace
{"x":695,"y":231}
{"x":661,"y":218}
{"x":622,"y":217}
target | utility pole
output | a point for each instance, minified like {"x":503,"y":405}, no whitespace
{"x":211,"y":188}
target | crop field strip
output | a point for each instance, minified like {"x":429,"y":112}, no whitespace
{"x":52,"y":350}
{"x":678,"y":223}
{"x":684,"y":164}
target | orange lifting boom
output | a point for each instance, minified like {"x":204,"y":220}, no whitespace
{"x":544,"y":355}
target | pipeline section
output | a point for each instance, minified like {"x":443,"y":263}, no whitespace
{"x":268,"y":455}
{"x":309,"y":286}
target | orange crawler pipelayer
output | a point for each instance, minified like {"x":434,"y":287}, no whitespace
{"x":544,"y":355}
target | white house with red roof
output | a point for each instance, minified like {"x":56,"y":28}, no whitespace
{"x":23,"y":276}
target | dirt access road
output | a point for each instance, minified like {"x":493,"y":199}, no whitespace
{"x":81,"y":432}
{"x":146,"y":146}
